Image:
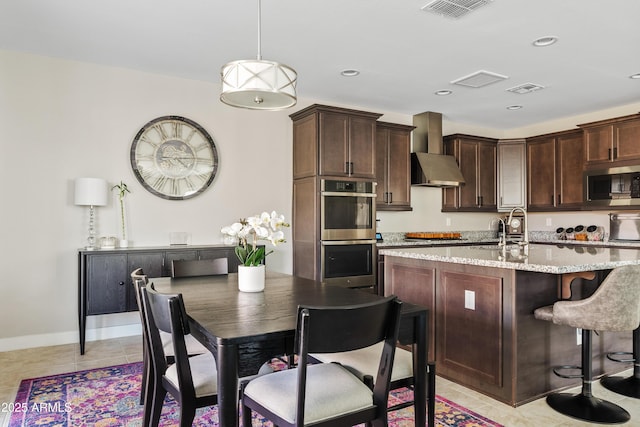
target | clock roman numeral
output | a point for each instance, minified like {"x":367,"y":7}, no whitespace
{"x":177,"y":130}
{"x":160,"y":129}
{"x":159,"y":182}
{"x":191,"y":134}
{"x":146,"y":139}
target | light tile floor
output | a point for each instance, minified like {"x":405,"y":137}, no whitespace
{"x":36,"y":362}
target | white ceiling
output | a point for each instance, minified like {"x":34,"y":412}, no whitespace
{"x":404,"y":54}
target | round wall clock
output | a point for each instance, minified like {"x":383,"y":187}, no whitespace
{"x":174,"y":157}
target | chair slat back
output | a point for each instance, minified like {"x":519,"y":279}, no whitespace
{"x":200,"y":267}
{"x":336,"y":329}
{"x":166,"y":312}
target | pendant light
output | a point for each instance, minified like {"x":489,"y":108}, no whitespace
{"x":257,"y":84}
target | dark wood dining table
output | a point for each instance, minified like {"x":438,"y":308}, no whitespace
{"x":243,"y":330}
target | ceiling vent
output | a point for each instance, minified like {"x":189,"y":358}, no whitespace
{"x":525,"y":88}
{"x":479,"y":79}
{"x":454,"y":8}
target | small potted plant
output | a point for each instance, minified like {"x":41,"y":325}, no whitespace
{"x":122,"y":192}
{"x":246,"y":234}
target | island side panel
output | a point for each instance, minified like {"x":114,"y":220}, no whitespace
{"x":473,"y":347}
{"x":414,"y":283}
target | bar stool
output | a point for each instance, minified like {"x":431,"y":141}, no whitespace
{"x":629,"y":386}
{"x":614,"y":306}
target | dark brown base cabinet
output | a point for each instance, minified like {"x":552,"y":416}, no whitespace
{"x":104,"y":282}
{"x":497,"y":347}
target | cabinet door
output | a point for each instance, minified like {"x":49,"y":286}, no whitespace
{"x":541,"y":172}
{"x":334,"y":144}
{"x":570,"y":149}
{"x":382,"y":166}
{"x":177,"y":255}
{"x":305,"y":147}
{"x":486,"y":165}
{"x":399,"y":168}
{"x":598,"y":144}
{"x":362,"y":144}
{"x":151,"y":264}
{"x":107,"y":278}
{"x":393,"y":169}
{"x":468,"y":161}
{"x":512,"y":188}
{"x":450,"y":200}
{"x":627,"y":137}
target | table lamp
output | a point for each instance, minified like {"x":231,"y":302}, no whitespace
{"x":91,"y":192}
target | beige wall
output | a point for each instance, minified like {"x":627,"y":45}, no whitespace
{"x":61,"y":120}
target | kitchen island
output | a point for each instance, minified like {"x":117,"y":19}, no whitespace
{"x":484,"y":335}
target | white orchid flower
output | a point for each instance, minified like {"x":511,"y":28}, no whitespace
{"x":277,"y":237}
{"x":247,"y":232}
{"x":233,"y":229}
{"x":261,"y":232}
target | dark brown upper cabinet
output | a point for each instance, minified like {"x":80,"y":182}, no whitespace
{"x":333,"y":141}
{"x":393,"y":167}
{"x":476,"y":157}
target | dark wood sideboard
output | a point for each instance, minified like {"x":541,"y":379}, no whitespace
{"x":104,"y":275}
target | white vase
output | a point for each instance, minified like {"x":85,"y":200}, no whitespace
{"x":251,"y":278}
{"x":123,"y":243}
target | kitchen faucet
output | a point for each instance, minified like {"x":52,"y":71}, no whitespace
{"x":525,"y":243}
{"x":502,"y":237}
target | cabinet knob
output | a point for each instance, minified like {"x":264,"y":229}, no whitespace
{"x":121,"y":283}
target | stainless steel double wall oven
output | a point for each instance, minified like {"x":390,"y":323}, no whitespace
{"x":348,"y":230}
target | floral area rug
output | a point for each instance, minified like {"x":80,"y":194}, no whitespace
{"x":108,"y":397}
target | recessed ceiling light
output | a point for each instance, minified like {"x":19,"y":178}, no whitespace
{"x":514,"y":107}
{"x":545,"y":41}
{"x":635,"y":76}
{"x":443,"y":92}
{"x":349,"y":73}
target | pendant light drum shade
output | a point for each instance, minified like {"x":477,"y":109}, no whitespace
{"x":258,"y":85}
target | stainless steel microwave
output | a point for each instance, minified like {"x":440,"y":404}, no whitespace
{"x":619,"y":186}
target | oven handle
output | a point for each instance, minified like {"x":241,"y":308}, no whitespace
{"x":347,"y":242}
{"x":337,"y":193}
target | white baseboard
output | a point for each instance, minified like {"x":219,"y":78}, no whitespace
{"x":70,"y":337}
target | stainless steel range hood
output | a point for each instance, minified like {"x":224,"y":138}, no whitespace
{"x":429,"y":167}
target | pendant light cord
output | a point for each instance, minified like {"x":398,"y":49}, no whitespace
{"x":259,"y":30}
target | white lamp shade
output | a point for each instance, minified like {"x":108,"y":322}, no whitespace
{"x":258,"y":85}
{"x":91,"y":192}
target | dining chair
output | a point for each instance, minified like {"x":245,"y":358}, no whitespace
{"x":363,"y":363}
{"x":191,"y":381}
{"x":328,"y":394}
{"x":199,"y":267}
{"x":194,"y":347}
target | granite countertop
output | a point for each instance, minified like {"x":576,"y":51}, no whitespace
{"x":397,"y":239}
{"x":543,"y":258}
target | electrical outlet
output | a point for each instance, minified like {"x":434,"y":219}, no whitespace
{"x":469,"y":300}
{"x":578,"y":336}
{"x":448,"y":221}
{"x":549,"y":222}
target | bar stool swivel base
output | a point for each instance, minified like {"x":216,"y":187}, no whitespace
{"x":629,"y":386}
{"x":588,"y":408}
